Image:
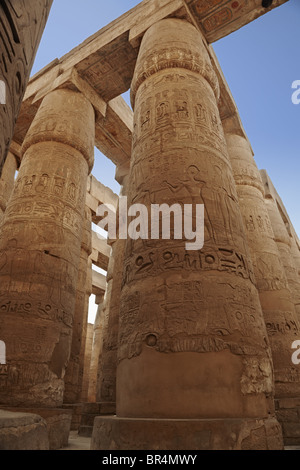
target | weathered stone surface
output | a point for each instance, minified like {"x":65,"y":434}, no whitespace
{"x":195,"y":367}
{"x":276,"y":300}
{"x":7,"y":181}
{"x":87,"y":362}
{"x":216,"y":364}
{"x":89,"y":412}
{"x":106,"y":386}
{"x":22,"y":431}
{"x":74,"y":372}
{"x":22,"y":25}
{"x":103,"y":65}
{"x":112,"y":433}
{"x":40,"y":249}
{"x":58,"y":423}
{"x":58,"y":426}
{"x":286,"y":243}
{"x":76,"y":409}
{"x":218,"y":18}
{"x":96,"y":351}
{"x":101,"y":373}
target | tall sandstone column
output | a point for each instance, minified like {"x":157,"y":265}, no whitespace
{"x":103,"y":387}
{"x":40,"y":245}
{"x":73,"y":384}
{"x":106,"y":386}
{"x":284,"y":240}
{"x":83,"y":372}
{"x":87,"y":362}
{"x":194,"y":368}
{"x":288,"y":405}
{"x":96,"y":351}
{"x":295,"y":250}
{"x":21,"y":28}
{"x":7,"y":181}
{"x":277,"y":303}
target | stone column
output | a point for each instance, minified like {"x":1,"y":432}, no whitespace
{"x":287,"y":402}
{"x":295,"y":250}
{"x":21,"y":28}
{"x":106,"y":386}
{"x":284,"y":241}
{"x":87,"y":362}
{"x":103,"y":387}
{"x":40,"y":246}
{"x":83,"y":390}
{"x":7,"y":181}
{"x":73,"y":384}
{"x":96,"y":351}
{"x":276,"y":301}
{"x":194,"y":366}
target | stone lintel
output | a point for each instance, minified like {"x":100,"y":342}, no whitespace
{"x":98,"y":283}
{"x":102,"y":66}
{"x":219,"y":18}
{"x":97,"y":194}
{"x":100,"y":251}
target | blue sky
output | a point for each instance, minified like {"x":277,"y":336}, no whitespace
{"x":260,"y":62}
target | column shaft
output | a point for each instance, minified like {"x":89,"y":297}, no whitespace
{"x":277,"y":304}
{"x":284,"y":241}
{"x":106,"y":387}
{"x":73,"y":384}
{"x":7,"y":181}
{"x":103,"y":387}
{"x":193,"y":346}
{"x":40,"y":249}
{"x":96,"y":352}
{"x":86,"y":333}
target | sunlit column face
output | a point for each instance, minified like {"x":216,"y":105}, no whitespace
{"x":191,"y":327}
{"x":40,"y":250}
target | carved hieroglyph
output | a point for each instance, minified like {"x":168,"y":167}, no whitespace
{"x":74,"y":371}
{"x":7,"y":181}
{"x":21,"y":28}
{"x":192,"y":340}
{"x":276,"y":300}
{"x":40,"y":244}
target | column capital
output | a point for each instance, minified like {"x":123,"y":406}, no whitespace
{"x":244,"y":167}
{"x":67,"y":117}
{"x":186,"y":50}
